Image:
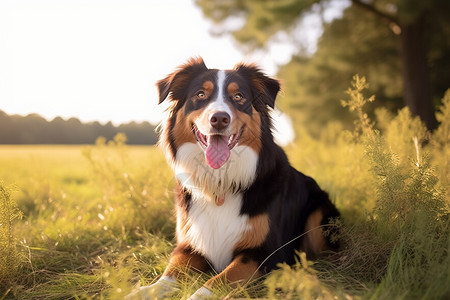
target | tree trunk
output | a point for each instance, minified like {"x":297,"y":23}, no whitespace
{"x":416,"y":76}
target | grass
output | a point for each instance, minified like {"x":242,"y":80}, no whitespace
{"x":81,"y":222}
{"x":93,"y":222}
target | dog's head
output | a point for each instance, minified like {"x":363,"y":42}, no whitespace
{"x":217,"y":109}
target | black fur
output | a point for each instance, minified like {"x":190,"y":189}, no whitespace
{"x":288,"y":197}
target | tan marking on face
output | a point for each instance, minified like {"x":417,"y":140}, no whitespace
{"x":208,"y":87}
{"x":204,"y":92}
{"x":314,"y":242}
{"x":182,"y":131}
{"x":251,"y":136}
{"x":233,"y":89}
{"x":256,"y":235}
{"x":237,"y":273}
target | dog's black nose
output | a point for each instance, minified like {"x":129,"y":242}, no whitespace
{"x":219,"y":120}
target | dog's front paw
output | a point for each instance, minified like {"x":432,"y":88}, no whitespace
{"x":202,"y":293}
{"x":157,"y":291}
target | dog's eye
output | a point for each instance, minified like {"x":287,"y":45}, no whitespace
{"x":238,"y":97}
{"x":201,"y":95}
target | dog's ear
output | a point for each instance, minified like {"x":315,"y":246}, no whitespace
{"x":265,"y":89}
{"x":176,"y":83}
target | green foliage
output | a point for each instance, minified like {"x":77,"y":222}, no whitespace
{"x":352,"y":44}
{"x":263,"y":18}
{"x":412,"y":210}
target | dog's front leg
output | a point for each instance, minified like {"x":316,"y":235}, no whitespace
{"x":241,"y":270}
{"x":181,"y":259}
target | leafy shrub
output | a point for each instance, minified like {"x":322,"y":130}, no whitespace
{"x":396,"y":243}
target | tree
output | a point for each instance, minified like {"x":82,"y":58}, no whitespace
{"x":415,"y":24}
{"x":314,"y":85}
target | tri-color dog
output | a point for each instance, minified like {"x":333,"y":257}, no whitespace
{"x":241,"y":207}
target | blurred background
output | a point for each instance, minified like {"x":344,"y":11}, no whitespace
{"x":71,"y":70}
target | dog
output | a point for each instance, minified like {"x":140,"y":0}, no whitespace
{"x":241,"y":208}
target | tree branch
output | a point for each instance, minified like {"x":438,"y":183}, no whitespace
{"x":384,"y":16}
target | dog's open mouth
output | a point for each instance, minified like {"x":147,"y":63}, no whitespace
{"x":217,"y":147}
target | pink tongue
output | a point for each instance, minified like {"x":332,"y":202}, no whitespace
{"x":217,"y":152}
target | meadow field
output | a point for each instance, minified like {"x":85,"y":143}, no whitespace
{"x":95,"y":222}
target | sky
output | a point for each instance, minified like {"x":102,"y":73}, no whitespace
{"x":98,"y":60}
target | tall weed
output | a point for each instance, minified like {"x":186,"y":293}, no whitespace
{"x":10,"y":257}
{"x":440,"y":145}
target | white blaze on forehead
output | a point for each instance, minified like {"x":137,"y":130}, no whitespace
{"x":219,"y":103}
{"x":221,"y":76}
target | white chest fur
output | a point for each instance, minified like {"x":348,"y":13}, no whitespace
{"x":210,"y":229}
{"x":215,"y":230}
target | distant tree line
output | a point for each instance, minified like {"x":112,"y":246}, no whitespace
{"x":34,"y":129}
